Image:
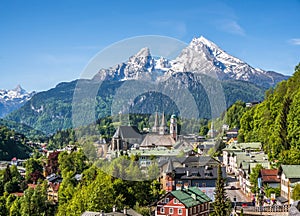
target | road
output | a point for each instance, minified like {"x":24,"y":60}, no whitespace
{"x":240,"y":196}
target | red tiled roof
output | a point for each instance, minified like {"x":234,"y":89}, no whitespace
{"x":269,"y":175}
{"x":32,"y":186}
{"x":18,"y":194}
{"x":54,"y":186}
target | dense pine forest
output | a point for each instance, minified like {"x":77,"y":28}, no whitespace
{"x":276,"y":121}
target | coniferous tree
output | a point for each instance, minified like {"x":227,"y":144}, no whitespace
{"x":222,"y":204}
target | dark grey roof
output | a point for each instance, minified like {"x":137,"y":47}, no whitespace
{"x":200,"y":161}
{"x":54,"y":178}
{"x":127,"y":132}
{"x":203,"y":172}
{"x":163,"y":161}
{"x":281,"y":199}
{"x":170,"y":167}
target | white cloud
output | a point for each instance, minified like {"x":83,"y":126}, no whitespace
{"x":294,"y":41}
{"x":231,"y":26}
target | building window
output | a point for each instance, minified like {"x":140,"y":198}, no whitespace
{"x":162,"y":210}
{"x":203,"y":184}
{"x":175,"y":201}
{"x":171,"y":211}
{"x":179,"y":211}
{"x":166,"y":200}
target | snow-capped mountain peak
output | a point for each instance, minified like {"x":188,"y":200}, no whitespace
{"x":19,"y":89}
{"x":200,"y":56}
{"x":141,"y":60}
{"x":13,"y":99}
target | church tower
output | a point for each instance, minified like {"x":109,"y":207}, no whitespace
{"x":155,"y":128}
{"x":163,"y":128}
{"x":211,"y":132}
{"x":173,"y":127}
{"x":168,"y":177}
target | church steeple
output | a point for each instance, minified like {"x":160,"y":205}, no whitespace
{"x":155,"y":128}
{"x":163,"y":128}
{"x":173,"y":127}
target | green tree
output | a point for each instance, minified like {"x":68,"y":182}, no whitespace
{"x":35,"y":202}
{"x":33,"y":166}
{"x":296,"y":192}
{"x":7,"y":175}
{"x":253,"y":178}
{"x":15,"y":208}
{"x":222,"y":204}
{"x":234,"y":114}
{"x":3,"y":209}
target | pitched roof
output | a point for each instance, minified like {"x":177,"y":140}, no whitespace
{"x":291,"y":171}
{"x":269,"y":175}
{"x":152,"y":140}
{"x":191,"y":197}
{"x":200,"y":161}
{"x":127,"y":132}
{"x":170,"y":167}
{"x":202,"y":172}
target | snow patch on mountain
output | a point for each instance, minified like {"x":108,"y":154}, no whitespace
{"x":13,"y":99}
{"x":200,"y":56}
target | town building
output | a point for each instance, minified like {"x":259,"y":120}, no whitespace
{"x":159,"y":136}
{"x":54,"y":182}
{"x":193,"y":171}
{"x":233,"y":133}
{"x":290,"y":176}
{"x":270,"y":178}
{"x":125,"y":137}
{"x":186,"y":201}
{"x":231,"y":152}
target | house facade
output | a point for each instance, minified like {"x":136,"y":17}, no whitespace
{"x":189,"y":201}
{"x":290,"y":176}
{"x":194,"y":171}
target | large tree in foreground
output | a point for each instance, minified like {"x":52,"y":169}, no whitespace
{"x":222,"y":204}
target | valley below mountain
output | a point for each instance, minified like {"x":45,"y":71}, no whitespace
{"x":212,"y":79}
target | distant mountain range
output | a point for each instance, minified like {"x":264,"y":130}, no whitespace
{"x":201,"y":56}
{"x":13,"y":99}
{"x":198,"y":69}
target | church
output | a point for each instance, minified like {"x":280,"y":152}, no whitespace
{"x":159,"y":135}
{"x":127,"y":137}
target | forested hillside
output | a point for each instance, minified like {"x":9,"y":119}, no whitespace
{"x":51,"y":110}
{"x":276,"y":121}
{"x":12,"y":145}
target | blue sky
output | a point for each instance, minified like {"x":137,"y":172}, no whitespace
{"x":44,"y":42}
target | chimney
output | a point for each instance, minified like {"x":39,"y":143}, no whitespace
{"x":186,"y":185}
{"x":193,"y":196}
{"x":114,"y":208}
{"x":125,"y":211}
